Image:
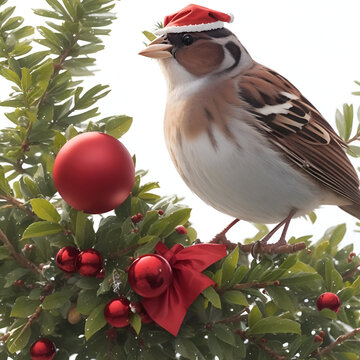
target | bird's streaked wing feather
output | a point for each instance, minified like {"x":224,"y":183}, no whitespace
{"x":297,"y":128}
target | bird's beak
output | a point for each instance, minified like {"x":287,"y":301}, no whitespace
{"x":158,"y":49}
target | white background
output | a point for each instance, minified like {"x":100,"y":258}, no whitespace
{"x":315,"y":44}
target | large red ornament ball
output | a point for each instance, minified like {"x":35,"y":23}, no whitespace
{"x":89,"y":262}
{"x":94,"y":172}
{"x":42,"y":349}
{"x":328,"y":300}
{"x":66,"y":259}
{"x":150,"y":275}
{"x":117,"y":312}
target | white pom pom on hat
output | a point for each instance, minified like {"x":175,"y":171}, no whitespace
{"x":194,"y":18}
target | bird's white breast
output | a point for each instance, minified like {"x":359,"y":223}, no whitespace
{"x":250,"y":180}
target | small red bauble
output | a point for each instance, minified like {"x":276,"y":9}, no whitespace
{"x":161,"y":212}
{"x":89,"y":262}
{"x":101,"y":274}
{"x":328,"y":300}
{"x":137,"y":218}
{"x":117,"y":312}
{"x":66,"y":259}
{"x":42,"y":349}
{"x":94,"y":172}
{"x":322,"y":334}
{"x":150,"y":275}
{"x":180,"y":229}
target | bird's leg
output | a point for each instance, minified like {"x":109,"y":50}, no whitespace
{"x":266,"y":238}
{"x":286,"y":223}
{"x":220,"y":238}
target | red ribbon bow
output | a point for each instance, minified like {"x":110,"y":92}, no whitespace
{"x":169,"y":309}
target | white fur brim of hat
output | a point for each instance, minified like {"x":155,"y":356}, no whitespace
{"x":192,"y":28}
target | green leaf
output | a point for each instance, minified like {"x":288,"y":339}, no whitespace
{"x":337,"y":235}
{"x":41,"y":228}
{"x":235,"y":297}
{"x":150,"y":36}
{"x":187,"y":349}
{"x":10,"y":75}
{"x":225,"y":334}
{"x":340,"y":123}
{"x":239,"y":274}
{"x":229,"y":266}
{"x":24,"y":307}
{"x":333,"y":279}
{"x":14,"y":275}
{"x":135,"y":322}
{"x":282,"y":298}
{"x":87,"y":301}
{"x":4,"y":186}
{"x":348,"y":117}
{"x":57,"y":299}
{"x":95,"y":321}
{"x":117,"y":126}
{"x":328,"y":314}
{"x":18,"y":340}
{"x":210,"y":294}
{"x":48,"y":13}
{"x":12,"y":23}
{"x":45,"y":210}
{"x":275,"y":325}
{"x":254,"y":316}
{"x":25,"y":79}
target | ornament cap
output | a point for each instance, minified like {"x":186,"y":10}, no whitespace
{"x":194,"y":18}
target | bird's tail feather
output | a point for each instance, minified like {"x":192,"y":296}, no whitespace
{"x":353,"y":210}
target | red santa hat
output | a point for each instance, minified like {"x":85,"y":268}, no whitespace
{"x":194,"y":18}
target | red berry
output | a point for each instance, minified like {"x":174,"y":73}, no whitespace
{"x":322,"y":334}
{"x":117,"y":312}
{"x":328,"y":300}
{"x":160,"y":212}
{"x":19,"y":283}
{"x":94,"y":172}
{"x":89,"y":262}
{"x":264,"y":291}
{"x":137,"y":218}
{"x":66,"y":259}
{"x":264,"y":340}
{"x":318,"y":338}
{"x":150,"y":275}
{"x":180,"y":229}
{"x":277,"y":283}
{"x":309,"y":251}
{"x":351,"y":255}
{"x":31,"y":286}
{"x":42,"y":349}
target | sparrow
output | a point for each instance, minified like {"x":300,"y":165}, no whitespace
{"x":242,"y":137}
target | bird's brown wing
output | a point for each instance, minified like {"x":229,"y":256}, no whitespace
{"x":297,"y":128}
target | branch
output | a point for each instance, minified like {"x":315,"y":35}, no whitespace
{"x":273,"y":354}
{"x":254,"y":284}
{"x":351,"y":272}
{"x":123,"y":251}
{"x":18,"y":256}
{"x":237,"y":317}
{"x":17,"y":204}
{"x":338,"y":341}
{"x":259,"y":248}
{"x":32,"y":318}
{"x":356,"y":137}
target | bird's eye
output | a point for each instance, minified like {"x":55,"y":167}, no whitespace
{"x":187,"y":39}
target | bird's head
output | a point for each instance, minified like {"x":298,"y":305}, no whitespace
{"x":204,"y":51}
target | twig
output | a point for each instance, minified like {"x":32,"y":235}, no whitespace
{"x":338,"y":341}
{"x":259,"y":248}
{"x":18,"y":204}
{"x":351,"y":272}
{"x":4,"y":337}
{"x":123,"y":251}
{"x":273,"y":354}
{"x":32,"y":318}
{"x":354,"y":138}
{"x":18,"y":256}
{"x":256,"y":284}
{"x":237,"y":317}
